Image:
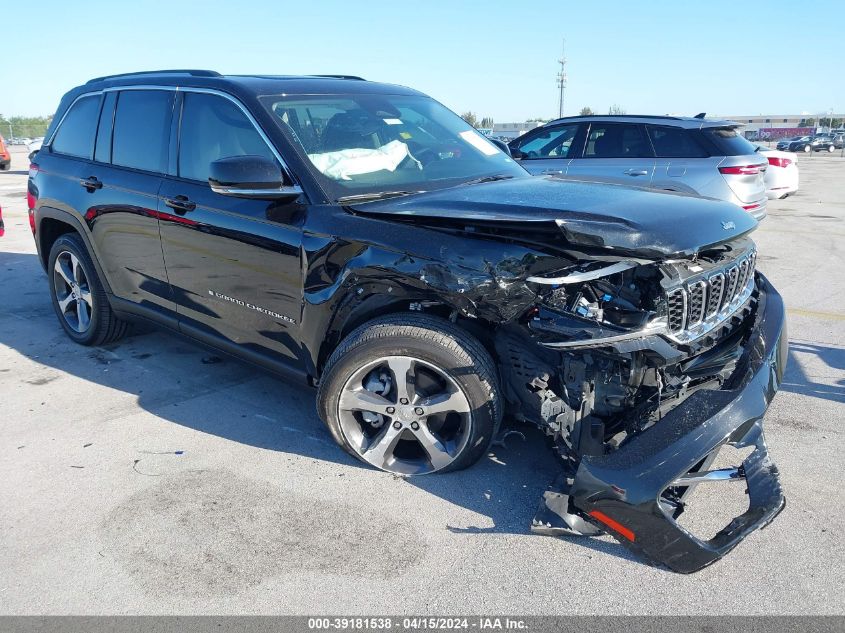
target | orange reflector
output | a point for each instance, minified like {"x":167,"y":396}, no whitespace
{"x":613,"y":525}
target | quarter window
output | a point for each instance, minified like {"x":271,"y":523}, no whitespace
{"x":615,"y":140}
{"x":553,"y":142}
{"x":75,"y":136}
{"x":142,"y":129}
{"x":674,"y":142}
{"x":212,"y":128}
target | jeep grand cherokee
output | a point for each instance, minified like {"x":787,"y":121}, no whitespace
{"x":362,"y":238}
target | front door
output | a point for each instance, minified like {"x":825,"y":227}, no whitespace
{"x":233,"y":263}
{"x":618,"y":153}
{"x":547,"y":150}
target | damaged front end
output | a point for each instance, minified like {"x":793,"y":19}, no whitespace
{"x":641,"y":373}
{"x":640,"y":349}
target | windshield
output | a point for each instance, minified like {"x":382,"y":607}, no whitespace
{"x":386,"y":144}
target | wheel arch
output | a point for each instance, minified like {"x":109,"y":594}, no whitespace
{"x":355,"y":309}
{"x":51,"y":225}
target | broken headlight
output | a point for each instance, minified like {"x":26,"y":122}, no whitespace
{"x":623,"y":294}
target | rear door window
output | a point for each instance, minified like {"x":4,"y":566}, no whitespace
{"x":727,"y":141}
{"x":674,"y":142}
{"x":551,"y":142}
{"x":75,"y":136}
{"x":617,"y":140}
{"x":141,"y":133}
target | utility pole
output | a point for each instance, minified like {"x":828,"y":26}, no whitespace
{"x":561,"y":78}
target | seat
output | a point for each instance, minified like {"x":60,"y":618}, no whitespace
{"x":346,"y":130}
{"x":608,"y":145}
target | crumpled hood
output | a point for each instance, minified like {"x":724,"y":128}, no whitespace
{"x":630,"y":220}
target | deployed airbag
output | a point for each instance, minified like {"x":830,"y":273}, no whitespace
{"x":345,"y":163}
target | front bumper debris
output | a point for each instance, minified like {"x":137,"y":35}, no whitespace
{"x":620,"y":492}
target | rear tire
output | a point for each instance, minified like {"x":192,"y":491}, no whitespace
{"x":78,"y":297}
{"x":807,"y":149}
{"x":452,"y":409}
{"x":831,"y":149}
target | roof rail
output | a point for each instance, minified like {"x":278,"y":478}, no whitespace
{"x":354,"y":77}
{"x":619,"y":116}
{"x":180,"y":71}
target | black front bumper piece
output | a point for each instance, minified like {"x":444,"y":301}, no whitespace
{"x":620,"y":492}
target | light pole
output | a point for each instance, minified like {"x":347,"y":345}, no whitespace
{"x":561,"y":79}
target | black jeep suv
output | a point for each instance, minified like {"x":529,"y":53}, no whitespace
{"x":362,"y":238}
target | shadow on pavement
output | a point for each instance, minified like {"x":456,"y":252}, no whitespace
{"x":798,"y":381}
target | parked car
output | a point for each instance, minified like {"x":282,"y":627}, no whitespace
{"x":363,"y":239}
{"x":782,"y":174}
{"x":692,"y":155}
{"x":796,"y":144}
{"x":2,"y":226}
{"x":823,"y":143}
{"x":33,"y":148}
{"x":5,"y":156}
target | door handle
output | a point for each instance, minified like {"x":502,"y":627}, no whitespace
{"x":552,"y":172}
{"x":180,"y":204}
{"x":91,"y":183}
{"x":637,"y":172}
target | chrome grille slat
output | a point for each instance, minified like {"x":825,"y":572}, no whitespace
{"x":743,"y":274}
{"x":704,"y":302}
{"x":717,"y":290}
{"x":697,"y":298}
{"x":677,"y":313}
{"x":732,"y":278}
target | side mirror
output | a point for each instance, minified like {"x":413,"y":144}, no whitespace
{"x":516,"y":154}
{"x":250,"y":177}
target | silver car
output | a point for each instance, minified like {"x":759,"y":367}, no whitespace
{"x":694,"y":155}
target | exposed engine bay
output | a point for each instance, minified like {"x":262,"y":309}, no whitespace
{"x":617,"y":348}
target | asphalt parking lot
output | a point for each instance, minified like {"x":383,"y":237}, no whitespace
{"x":155,"y":477}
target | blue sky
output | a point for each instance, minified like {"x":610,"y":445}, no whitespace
{"x":495,"y":58}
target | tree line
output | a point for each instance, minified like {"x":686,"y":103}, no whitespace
{"x":24,"y":126}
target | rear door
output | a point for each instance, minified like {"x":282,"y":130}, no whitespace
{"x":681,"y":163}
{"x":547,"y":150}
{"x":114,"y":192}
{"x":618,"y":153}
{"x":130,"y":159}
{"x":233,"y":263}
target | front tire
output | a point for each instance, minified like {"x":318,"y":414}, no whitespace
{"x":831,"y":149}
{"x":411,"y":394}
{"x":807,"y":149}
{"x":78,"y":296}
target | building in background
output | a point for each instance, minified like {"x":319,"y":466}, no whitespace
{"x":775,"y":126}
{"x":508,"y":131}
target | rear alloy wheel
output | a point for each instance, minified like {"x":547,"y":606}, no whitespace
{"x":78,"y":296}
{"x":831,"y":149}
{"x":807,"y":149}
{"x":73,"y":292}
{"x":412,"y":395}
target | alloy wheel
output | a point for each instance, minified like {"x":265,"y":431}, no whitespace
{"x":405,"y":415}
{"x":73,"y":292}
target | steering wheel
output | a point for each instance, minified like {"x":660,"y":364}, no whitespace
{"x":428,"y":154}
